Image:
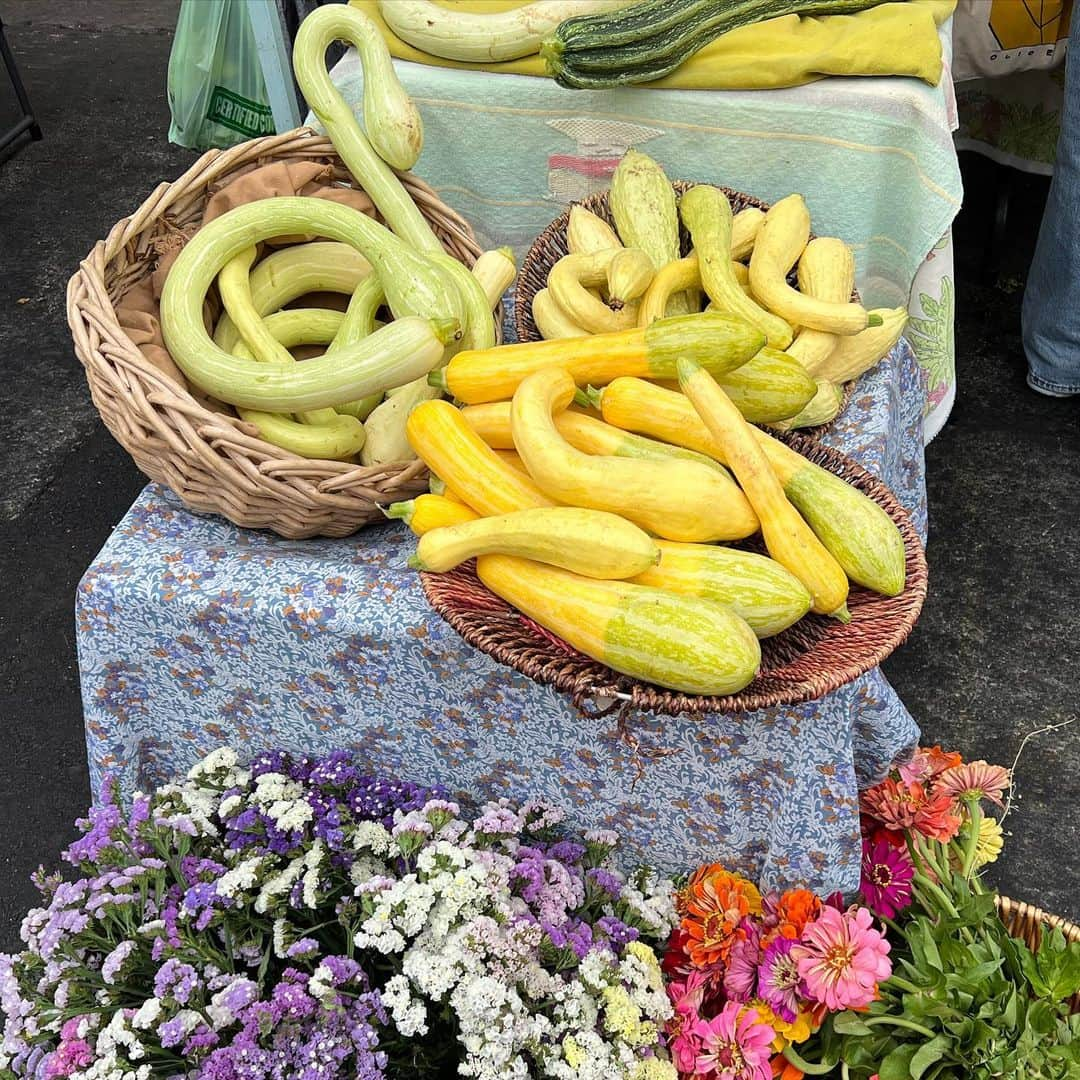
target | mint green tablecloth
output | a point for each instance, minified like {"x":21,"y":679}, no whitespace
{"x":873,"y":157}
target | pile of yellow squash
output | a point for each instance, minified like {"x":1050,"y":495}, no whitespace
{"x":598,"y":480}
{"x":615,"y":279}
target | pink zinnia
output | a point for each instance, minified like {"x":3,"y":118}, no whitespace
{"x":735,"y":1045}
{"x":842,"y":958}
{"x":886,"y":878}
{"x":778,"y":980}
{"x":977,"y":778}
{"x":740,"y":975}
{"x":687,"y":998}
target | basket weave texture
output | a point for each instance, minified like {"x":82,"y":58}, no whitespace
{"x":814,"y":657}
{"x":550,"y":246}
{"x":215,"y":462}
{"x":1025,"y":921}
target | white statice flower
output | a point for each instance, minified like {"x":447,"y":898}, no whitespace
{"x":243,"y":876}
{"x":653,"y":904}
{"x":435,"y":966}
{"x":229,"y":806}
{"x":377,"y":932}
{"x":147,"y":1014}
{"x":314,"y":860}
{"x":272,"y":787}
{"x":495,"y":1027}
{"x":640,"y":973}
{"x":224,"y":757}
{"x":366,"y":870}
{"x":110,"y":1068}
{"x":372,"y":836}
{"x":409,"y":1014}
{"x":279,"y":885}
{"x":116,"y":1035}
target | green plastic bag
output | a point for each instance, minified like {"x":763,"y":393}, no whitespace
{"x":217,"y":96}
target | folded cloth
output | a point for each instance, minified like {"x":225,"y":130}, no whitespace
{"x":891,"y":39}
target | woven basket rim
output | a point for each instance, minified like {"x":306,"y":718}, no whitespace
{"x":179,"y":428}
{"x":538,"y":262}
{"x":836,"y":655}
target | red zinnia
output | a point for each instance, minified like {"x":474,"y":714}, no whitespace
{"x":902,"y":807}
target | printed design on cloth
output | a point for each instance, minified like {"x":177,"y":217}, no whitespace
{"x":193,"y":634}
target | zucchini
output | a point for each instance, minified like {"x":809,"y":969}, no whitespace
{"x":592,"y":543}
{"x":706,"y":213}
{"x":679,"y":642}
{"x":755,"y":587}
{"x":642,"y":203}
{"x":427,"y":512}
{"x":790,"y":540}
{"x":672,"y":498}
{"x":652,"y":38}
{"x":719,"y":342}
{"x":482,"y":37}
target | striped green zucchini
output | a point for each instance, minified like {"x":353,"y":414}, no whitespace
{"x":651,"y":39}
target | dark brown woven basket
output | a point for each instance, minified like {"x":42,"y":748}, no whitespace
{"x":550,"y":246}
{"x":1026,"y":922}
{"x":812,"y":658}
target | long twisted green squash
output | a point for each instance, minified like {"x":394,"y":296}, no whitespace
{"x":398,"y":353}
{"x":650,"y":40}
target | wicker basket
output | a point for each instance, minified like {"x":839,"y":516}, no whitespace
{"x":550,"y":246}
{"x":812,"y":658}
{"x":215,"y":462}
{"x":1026,"y":922}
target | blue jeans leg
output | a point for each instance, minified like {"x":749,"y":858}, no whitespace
{"x":1051,"y":313}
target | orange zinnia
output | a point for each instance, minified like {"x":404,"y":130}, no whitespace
{"x":794,"y":910}
{"x":714,"y":903}
{"x":782,"y":1069}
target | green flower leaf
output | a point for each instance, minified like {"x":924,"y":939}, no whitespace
{"x":897,"y":1065}
{"x":930,"y":1053}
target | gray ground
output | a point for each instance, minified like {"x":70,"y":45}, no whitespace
{"x":993,"y":658}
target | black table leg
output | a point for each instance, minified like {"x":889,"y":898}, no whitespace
{"x":28,"y":123}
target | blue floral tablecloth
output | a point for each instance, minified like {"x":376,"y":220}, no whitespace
{"x":193,"y":634}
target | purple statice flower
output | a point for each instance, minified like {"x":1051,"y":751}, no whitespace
{"x":540,"y":815}
{"x":617,"y":933}
{"x":741,"y":973}
{"x":778,"y":979}
{"x":336,"y":770}
{"x":604,"y":880}
{"x":566,"y":851}
{"x":237,"y":996}
{"x":203,"y":1038}
{"x":498,"y":819}
{"x":176,"y":980}
{"x":574,"y":935}
{"x":302,"y":949}
{"x":102,"y":828}
{"x":111,"y":965}
{"x":546,"y":885}
{"x":294,"y":1035}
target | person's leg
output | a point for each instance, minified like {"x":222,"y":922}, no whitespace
{"x":1051,"y":314}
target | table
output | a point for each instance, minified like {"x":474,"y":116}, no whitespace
{"x":874,"y":158}
{"x":193,"y":634}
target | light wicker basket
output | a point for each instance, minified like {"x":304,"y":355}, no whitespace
{"x":1024,"y":921}
{"x":216,"y":463}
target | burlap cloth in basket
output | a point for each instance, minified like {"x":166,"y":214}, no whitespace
{"x":138,"y":310}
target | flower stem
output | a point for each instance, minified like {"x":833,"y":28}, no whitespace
{"x":975,"y":814}
{"x":808,"y":1067}
{"x":899,"y":1021}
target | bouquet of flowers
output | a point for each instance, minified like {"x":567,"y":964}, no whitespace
{"x":965,"y":1000}
{"x":296,"y":919}
{"x":752,"y":975}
